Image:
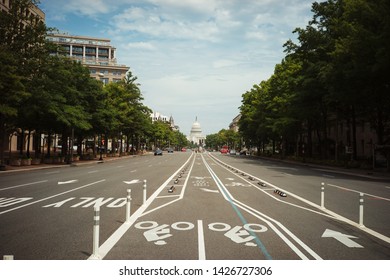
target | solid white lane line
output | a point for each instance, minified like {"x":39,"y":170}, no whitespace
{"x":201,"y":246}
{"x":168,"y":196}
{"x":117,"y":235}
{"x":23,"y":185}
{"x":329,"y":213}
{"x":181,"y":193}
{"x":270,"y":221}
{"x":46,"y":198}
{"x":355,"y":191}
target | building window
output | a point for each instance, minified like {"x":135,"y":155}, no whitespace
{"x":104,"y":80}
{"x":103,"y":52}
{"x":65,"y":48}
{"x":77,"y":49}
{"x":90,"y":50}
{"x":90,"y":57}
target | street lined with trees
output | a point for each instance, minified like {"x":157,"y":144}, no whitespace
{"x":332,"y":83}
{"x":45,"y":94}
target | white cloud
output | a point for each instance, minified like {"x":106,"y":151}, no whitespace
{"x":149,"y":22}
{"x":83,"y":7}
{"x":192,"y":57}
{"x":141,"y":45}
{"x":222,"y":63}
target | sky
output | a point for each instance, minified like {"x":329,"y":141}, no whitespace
{"x":193,"y":58}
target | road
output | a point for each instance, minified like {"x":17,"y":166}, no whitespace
{"x":204,"y":206}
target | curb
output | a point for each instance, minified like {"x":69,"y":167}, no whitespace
{"x":73,"y":164}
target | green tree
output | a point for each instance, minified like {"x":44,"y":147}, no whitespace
{"x":12,"y":94}
{"x":23,"y":41}
{"x":130,"y":116}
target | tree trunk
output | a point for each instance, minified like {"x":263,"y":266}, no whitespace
{"x":49,"y":144}
{"x":2,"y":142}
{"x":354,"y":142}
{"x":28,"y":143}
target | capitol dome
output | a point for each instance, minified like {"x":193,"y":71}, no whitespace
{"x":196,"y":133}
{"x":196,"y":128}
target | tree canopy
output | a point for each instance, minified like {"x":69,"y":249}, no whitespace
{"x":336,"y":71}
{"x":56,"y":95}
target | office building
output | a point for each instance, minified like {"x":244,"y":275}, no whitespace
{"x":95,"y":53}
{"x":33,"y":11}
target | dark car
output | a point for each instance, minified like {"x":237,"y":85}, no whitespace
{"x":158,"y":152}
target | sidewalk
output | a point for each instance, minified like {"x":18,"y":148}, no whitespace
{"x":378,"y":174}
{"x":12,"y":169}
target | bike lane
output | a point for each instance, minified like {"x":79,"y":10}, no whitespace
{"x":316,"y":233}
{"x":192,"y":219}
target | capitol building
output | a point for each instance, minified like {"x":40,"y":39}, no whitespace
{"x":196,"y":137}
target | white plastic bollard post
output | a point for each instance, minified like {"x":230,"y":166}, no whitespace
{"x":96,"y":225}
{"x":128,"y":204}
{"x":361,"y":202}
{"x":323,"y":195}
{"x":144,"y":191}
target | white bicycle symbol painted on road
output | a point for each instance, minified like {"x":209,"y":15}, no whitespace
{"x":239,"y":234}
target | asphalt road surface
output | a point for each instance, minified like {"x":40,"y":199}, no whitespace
{"x":197,"y":206}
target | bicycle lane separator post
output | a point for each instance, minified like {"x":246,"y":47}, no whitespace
{"x":106,"y":247}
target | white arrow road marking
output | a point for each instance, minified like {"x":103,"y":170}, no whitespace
{"x":132,"y":182}
{"x":67,"y":182}
{"x":208,"y":190}
{"x":343,"y":238}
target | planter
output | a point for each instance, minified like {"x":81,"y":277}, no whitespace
{"x":26,"y":161}
{"x":87,"y":157}
{"x":58,"y":160}
{"x":36,"y":161}
{"x":48,"y":160}
{"x":15,"y":162}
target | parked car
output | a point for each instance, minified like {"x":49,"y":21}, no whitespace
{"x":224,"y":151}
{"x":158,"y":152}
{"x":170,"y":150}
{"x":232,"y":152}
